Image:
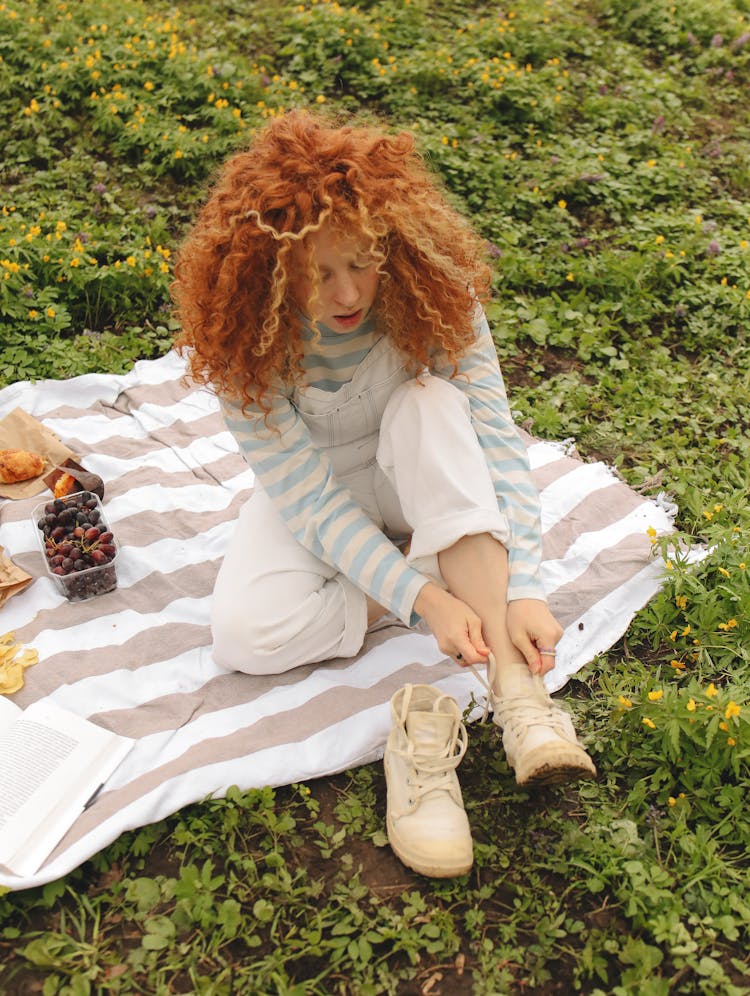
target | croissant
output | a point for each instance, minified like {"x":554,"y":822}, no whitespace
{"x":19,"y":465}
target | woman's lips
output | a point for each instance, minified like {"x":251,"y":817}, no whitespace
{"x":351,"y":319}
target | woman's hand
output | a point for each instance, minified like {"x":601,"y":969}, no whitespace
{"x":455,"y":626}
{"x":535,"y":631}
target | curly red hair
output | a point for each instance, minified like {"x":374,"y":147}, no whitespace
{"x":240,"y":323}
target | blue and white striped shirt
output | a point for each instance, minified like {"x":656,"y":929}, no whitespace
{"x":325,"y":519}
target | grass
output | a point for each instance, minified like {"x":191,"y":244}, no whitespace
{"x":602,"y":148}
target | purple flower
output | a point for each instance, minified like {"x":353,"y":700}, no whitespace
{"x":692,"y":39}
{"x":680,"y":311}
{"x":658,"y":124}
{"x":713,"y":248}
{"x":717,"y":41}
{"x":738,"y":43}
{"x":99,"y":188}
{"x":150,"y":211}
{"x":494,"y":252}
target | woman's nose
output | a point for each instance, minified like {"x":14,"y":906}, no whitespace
{"x":346,"y":291}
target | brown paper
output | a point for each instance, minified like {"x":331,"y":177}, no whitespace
{"x":12,"y":579}
{"x":83,"y":480}
{"x":21,"y":431}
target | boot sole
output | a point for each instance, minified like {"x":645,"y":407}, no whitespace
{"x":427,"y":868}
{"x":557,"y":771}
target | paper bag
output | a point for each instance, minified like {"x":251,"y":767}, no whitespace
{"x":12,"y":578}
{"x":21,"y":431}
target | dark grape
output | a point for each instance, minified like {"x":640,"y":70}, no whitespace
{"x":79,"y":546}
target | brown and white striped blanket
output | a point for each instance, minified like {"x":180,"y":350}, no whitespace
{"x":138,"y":659}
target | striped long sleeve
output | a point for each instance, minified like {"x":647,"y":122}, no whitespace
{"x":480,"y":379}
{"x":319,"y":511}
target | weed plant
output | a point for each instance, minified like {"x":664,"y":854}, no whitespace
{"x":602,"y":148}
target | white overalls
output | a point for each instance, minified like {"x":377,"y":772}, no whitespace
{"x":408,"y":453}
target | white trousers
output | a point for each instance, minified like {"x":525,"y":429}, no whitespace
{"x":277,"y":606}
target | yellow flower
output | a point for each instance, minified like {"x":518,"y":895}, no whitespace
{"x":678,"y":665}
{"x":624,"y":701}
{"x":732,"y":710}
{"x":723,"y":571}
{"x":691,"y":705}
{"x":712,"y":691}
{"x":51,"y":312}
{"x":571,"y":277}
{"x":686,"y":630}
{"x":659,"y":239}
{"x":148,"y":85}
{"x":33,"y":313}
{"x":731,"y":741}
{"x":649,"y":723}
{"x":656,"y":696}
{"x":562,"y":204}
{"x":681,"y":601}
{"x":672,"y":801}
{"x":320,"y":99}
{"x":673,"y":635}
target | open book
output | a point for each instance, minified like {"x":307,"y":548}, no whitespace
{"x":52,"y":763}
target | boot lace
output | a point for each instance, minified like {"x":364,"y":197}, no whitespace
{"x":431,"y":773}
{"x":519,"y":712}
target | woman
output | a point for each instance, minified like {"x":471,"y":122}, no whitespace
{"x":332,"y":297}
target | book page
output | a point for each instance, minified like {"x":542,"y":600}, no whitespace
{"x":9,"y":713}
{"x":19,"y":780}
{"x":51,"y":763}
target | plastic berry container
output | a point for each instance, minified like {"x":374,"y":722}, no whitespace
{"x":78,"y":547}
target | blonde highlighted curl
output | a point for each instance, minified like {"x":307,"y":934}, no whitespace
{"x":241,"y":325}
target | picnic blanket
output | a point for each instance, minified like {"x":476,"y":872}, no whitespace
{"x":138,"y":660}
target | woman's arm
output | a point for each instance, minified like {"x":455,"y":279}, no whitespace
{"x":479,"y":377}
{"x":319,"y":511}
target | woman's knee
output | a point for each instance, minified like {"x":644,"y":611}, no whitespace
{"x":288,"y":624}
{"x":245,"y":641}
{"x":426,"y":396}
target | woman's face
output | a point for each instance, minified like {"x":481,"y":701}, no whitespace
{"x":346,"y":280}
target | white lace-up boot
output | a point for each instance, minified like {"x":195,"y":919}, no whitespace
{"x":427,"y":826}
{"x":538,"y":736}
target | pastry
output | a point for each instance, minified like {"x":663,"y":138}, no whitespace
{"x":19,"y":465}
